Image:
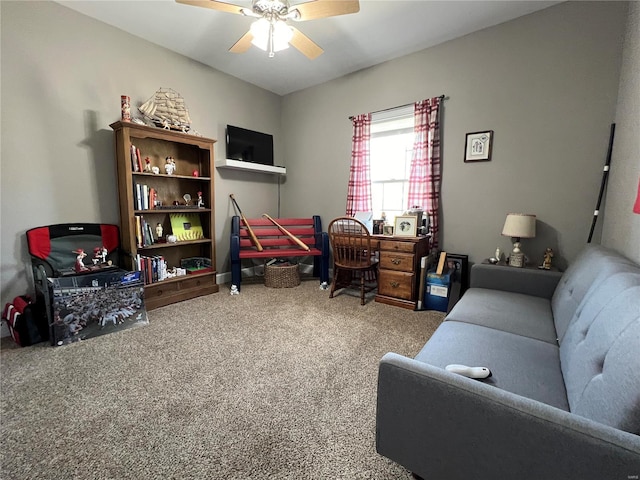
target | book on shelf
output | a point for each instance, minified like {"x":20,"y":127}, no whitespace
{"x":138,"y":231}
{"x":134,"y":158}
{"x":137,"y":196}
{"x":144,"y":232}
{"x":153,"y":268}
{"x":144,"y":197}
{"x":139,"y":160}
{"x":152,"y":198}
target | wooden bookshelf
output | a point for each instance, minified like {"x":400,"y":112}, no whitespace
{"x":193,"y":156}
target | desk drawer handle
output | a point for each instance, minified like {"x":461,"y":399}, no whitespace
{"x":396,"y":261}
{"x":394,"y":284}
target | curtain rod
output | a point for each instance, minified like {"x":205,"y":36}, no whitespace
{"x":441,"y":97}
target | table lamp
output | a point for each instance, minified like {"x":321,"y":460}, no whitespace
{"x":517,"y":226}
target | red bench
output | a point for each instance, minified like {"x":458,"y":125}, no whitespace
{"x":277,"y":244}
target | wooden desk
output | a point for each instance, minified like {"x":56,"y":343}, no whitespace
{"x":399,"y":269}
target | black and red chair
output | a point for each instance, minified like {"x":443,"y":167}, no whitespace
{"x":53,"y":250}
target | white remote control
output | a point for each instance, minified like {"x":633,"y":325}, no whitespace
{"x":471,"y":372}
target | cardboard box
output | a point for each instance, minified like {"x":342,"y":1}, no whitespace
{"x":437,"y":291}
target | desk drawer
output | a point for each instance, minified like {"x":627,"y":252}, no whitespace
{"x":397,"y":261}
{"x":396,"y":284}
{"x":390,"y":245}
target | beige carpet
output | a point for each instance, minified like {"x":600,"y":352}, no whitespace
{"x":271,"y":383}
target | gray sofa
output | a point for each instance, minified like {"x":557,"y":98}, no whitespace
{"x":564,"y":398}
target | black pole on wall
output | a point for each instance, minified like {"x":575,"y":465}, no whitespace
{"x":605,"y":176}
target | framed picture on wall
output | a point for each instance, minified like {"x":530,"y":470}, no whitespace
{"x":406,"y":226}
{"x":477,"y":146}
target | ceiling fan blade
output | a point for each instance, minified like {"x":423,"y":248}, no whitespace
{"x":214,"y":5}
{"x":303,"y":43}
{"x":243,"y":44}
{"x":325,"y":8}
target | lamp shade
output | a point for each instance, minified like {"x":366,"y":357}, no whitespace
{"x":519,"y":225}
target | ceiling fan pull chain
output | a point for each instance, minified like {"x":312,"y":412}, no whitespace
{"x":271,"y":52}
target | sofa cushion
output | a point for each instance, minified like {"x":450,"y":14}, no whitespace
{"x":511,"y":312}
{"x":600,"y":353}
{"x":521,"y":365}
{"x":593,"y":262}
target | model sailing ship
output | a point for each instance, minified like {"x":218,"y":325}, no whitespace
{"x":166,"y":109}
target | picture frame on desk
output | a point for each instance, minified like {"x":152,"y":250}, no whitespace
{"x":406,"y":226}
{"x":378,"y":226}
{"x":387,"y":229}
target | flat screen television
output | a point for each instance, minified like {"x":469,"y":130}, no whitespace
{"x":249,"y":146}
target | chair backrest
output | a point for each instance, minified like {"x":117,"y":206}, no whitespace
{"x":351,"y":243}
{"x":53,"y":246}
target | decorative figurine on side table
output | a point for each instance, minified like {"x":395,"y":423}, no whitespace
{"x":546,"y":263}
{"x":80,"y":266}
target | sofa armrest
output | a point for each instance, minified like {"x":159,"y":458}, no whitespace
{"x":442,"y":425}
{"x":539,"y":283}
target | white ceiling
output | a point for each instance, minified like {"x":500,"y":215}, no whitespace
{"x":381,"y":31}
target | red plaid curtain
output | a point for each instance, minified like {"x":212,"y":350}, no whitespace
{"x":359,"y":192}
{"x":424,"y":179}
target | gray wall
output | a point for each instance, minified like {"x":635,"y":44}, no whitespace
{"x":62,"y":77}
{"x":621,"y":229}
{"x":546,"y":84}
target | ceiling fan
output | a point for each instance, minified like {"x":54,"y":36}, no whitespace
{"x":271,"y":32}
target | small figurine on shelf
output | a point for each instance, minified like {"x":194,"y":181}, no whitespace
{"x":155,"y":170}
{"x":200,"y":200}
{"x":100,"y":255}
{"x":159,"y":230}
{"x":546,"y":263}
{"x":147,"y":164}
{"x":96,"y":256}
{"x":80,"y":266}
{"x":170,"y":165}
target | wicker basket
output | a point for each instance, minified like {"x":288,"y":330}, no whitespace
{"x":281,"y":276}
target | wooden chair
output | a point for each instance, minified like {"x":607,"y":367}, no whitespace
{"x":354,"y":263}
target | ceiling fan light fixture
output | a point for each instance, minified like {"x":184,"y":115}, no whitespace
{"x":260,"y":31}
{"x":271,"y":36}
{"x":282,"y":35}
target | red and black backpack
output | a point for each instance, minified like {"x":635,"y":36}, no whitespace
{"x":26,"y":320}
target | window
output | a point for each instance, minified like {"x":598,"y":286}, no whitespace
{"x":390,"y":153}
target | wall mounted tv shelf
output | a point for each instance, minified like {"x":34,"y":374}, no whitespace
{"x":250,"y":167}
